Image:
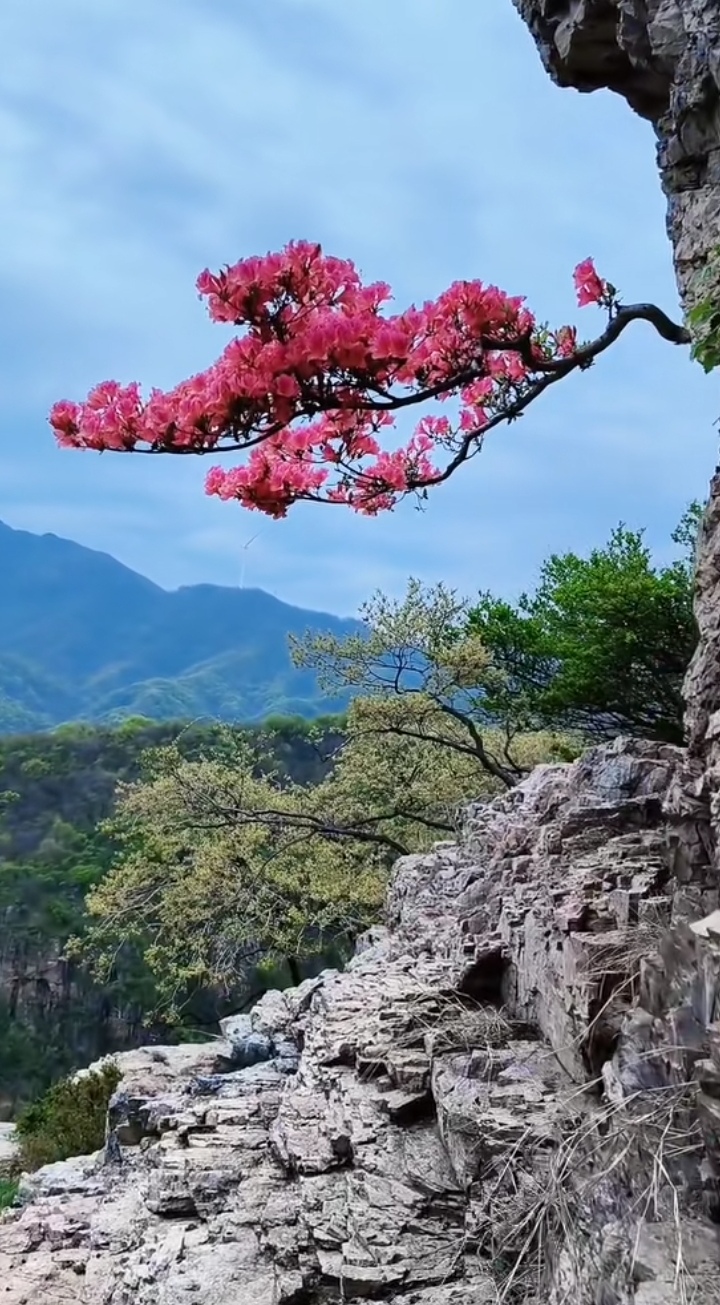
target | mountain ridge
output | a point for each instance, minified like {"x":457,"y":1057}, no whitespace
{"x":84,"y":637}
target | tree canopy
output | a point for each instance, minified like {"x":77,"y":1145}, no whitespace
{"x":223,"y":863}
{"x":423,"y":675}
{"x":603,"y":643}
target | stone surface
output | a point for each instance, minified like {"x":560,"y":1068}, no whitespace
{"x":496,"y":1073}
{"x":663,"y":57}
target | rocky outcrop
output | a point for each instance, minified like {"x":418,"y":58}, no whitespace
{"x":8,"y":1150}
{"x":663,"y":57}
{"x":512,"y":1093}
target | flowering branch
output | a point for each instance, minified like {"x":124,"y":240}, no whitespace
{"x":320,"y":371}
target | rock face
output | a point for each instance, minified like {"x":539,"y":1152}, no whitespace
{"x":663,"y":57}
{"x":52,"y":1004}
{"x":8,"y":1150}
{"x":498,"y":1100}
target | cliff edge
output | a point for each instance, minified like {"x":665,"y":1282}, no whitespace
{"x":512,"y":1094}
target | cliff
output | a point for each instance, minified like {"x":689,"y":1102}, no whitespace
{"x":498,"y":1100}
{"x":663,"y":57}
{"x":513,"y":1094}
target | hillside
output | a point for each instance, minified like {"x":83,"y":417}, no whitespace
{"x":54,"y":790}
{"x":83,"y":637}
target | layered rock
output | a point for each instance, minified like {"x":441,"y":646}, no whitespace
{"x":497,"y":1100}
{"x":663,"y":57}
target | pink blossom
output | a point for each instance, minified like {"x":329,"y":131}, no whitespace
{"x":315,"y":374}
{"x":589,"y":287}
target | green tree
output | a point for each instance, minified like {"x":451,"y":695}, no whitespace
{"x":223,"y":866}
{"x":430,"y":679}
{"x":219,"y":869}
{"x":602,"y":645}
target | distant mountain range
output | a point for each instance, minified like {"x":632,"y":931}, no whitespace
{"x":84,"y":638}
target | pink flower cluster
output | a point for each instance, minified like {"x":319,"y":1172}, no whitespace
{"x":317,"y":372}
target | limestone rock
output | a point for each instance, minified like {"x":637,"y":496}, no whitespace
{"x":663,"y":57}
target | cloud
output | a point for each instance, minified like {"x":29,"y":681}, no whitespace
{"x":138,"y":145}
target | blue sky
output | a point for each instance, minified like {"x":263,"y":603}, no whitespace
{"x":141,"y":142}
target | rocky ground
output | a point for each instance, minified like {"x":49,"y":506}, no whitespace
{"x":499,"y":1100}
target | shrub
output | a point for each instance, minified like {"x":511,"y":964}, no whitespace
{"x":8,"y":1192}
{"x":68,"y":1119}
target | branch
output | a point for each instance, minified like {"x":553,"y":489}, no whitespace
{"x":506,"y":777}
{"x":326,"y":828}
{"x":556,"y":369}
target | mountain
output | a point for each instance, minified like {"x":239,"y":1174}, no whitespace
{"x":83,"y":637}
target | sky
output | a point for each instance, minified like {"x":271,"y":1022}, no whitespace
{"x":143,"y":142}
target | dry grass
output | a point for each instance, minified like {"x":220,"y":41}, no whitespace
{"x":451,"y":1022}
{"x":615,"y":1159}
{"x":541,"y":1206}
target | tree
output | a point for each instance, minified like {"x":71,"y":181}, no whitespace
{"x":428,"y":678}
{"x":220,"y":869}
{"x":603,"y":644}
{"x":320,"y":373}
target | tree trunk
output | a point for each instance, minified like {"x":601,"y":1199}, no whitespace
{"x":663,"y":57}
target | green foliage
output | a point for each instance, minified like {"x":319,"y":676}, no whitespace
{"x":427,"y":678}
{"x":704,"y":317}
{"x":226,"y":862}
{"x":221,"y":868}
{"x":68,"y":1120}
{"x":56,"y":790}
{"x":603,"y":644}
{"x":8,"y":1192}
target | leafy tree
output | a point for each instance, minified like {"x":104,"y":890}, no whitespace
{"x":54,"y":792}
{"x":602,"y":645}
{"x":223,"y":863}
{"x":429,"y":679}
{"x":319,"y":370}
{"x":219,"y":869}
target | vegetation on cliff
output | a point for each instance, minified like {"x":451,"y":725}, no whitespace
{"x":56,"y":790}
{"x":223,"y":862}
{"x":69,"y":1119}
{"x":603,"y":643}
